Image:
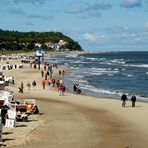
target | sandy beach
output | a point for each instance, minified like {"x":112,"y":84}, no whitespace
{"x":74,"y":121}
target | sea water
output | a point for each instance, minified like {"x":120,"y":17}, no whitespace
{"x":107,"y":74}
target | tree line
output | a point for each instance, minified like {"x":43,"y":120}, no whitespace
{"x":26,"y":41}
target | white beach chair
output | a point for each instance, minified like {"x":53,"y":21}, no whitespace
{"x":10,"y":123}
{"x":12,"y":114}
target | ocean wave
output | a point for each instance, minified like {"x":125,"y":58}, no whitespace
{"x":120,"y":61}
{"x":96,"y":90}
{"x":97,"y":74}
{"x":72,"y":55}
{"x":92,"y":59}
{"x":79,"y":62}
{"x":83,"y":81}
{"x":109,"y":93}
{"x":133,"y":65}
{"x":101,"y":71}
{"x":79,"y":76}
{"x":81,"y":57}
{"x":110,"y":74}
{"x":129,"y":75}
{"x":66,"y":64}
{"x":114,"y":62}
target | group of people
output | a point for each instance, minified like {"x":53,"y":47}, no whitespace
{"x":21,"y":87}
{"x":48,"y":79}
{"x":124,"y":99}
{"x":59,"y":84}
{"x":62,"y":72}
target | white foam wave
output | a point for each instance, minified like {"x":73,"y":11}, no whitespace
{"x":101,"y":71}
{"x":82,"y":57}
{"x":79,"y":76}
{"x":93,"y":89}
{"x":72,"y":55}
{"x":93,"y":59}
{"x":98,"y":74}
{"x":110,"y":92}
{"x":114,"y":62}
{"x":80,"y":62}
{"x":102,"y":59}
{"x":129,"y":75}
{"x":142,"y":65}
{"x":83,"y":81}
{"x":66,"y":64}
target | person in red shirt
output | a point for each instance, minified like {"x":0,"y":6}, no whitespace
{"x":43,"y":83}
{"x":63,"y":72}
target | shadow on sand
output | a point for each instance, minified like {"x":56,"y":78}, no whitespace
{"x":22,"y":125}
{"x":7,"y":139}
{"x":7,"y":133}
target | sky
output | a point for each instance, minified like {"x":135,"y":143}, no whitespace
{"x":100,"y":25}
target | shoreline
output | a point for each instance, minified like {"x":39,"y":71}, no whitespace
{"x":99,"y":91}
{"x":68,"y":70}
{"x":78,"y":120}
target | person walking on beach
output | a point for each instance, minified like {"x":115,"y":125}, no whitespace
{"x":59,"y":72}
{"x":22,"y":87}
{"x":124,"y":99}
{"x":34,"y":84}
{"x":53,"y":82}
{"x":63,"y":73}
{"x":43,"y":83}
{"x":74,"y":88}
{"x":61,"y":92}
{"x":133,"y":99}
{"x":28,"y":85}
{"x":58,"y":83}
{"x":42,"y":73}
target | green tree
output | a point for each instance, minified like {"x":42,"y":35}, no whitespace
{"x":31,"y":46}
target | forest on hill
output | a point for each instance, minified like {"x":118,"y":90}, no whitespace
{"x":29,"y":41}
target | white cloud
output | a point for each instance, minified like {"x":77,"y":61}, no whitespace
{"x":92,"y":37}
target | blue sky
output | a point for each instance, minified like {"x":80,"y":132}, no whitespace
{"x":95,"y":24}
